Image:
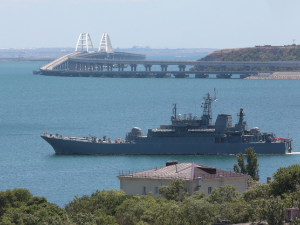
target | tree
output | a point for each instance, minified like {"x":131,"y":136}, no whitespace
{"x":198,"y":212}
{"x":36,"y":211}
{"x":285,"y":180}
{"x":252,"y":165}
{"x":260,"y":191}
{"x":241,"y":167}
{"x":171,"y":192}
{"x":251,"y":168}
{"x":105,"y":200}
{"x":226,"y":193}
{"x":276,"y":211}
{"x":13,"y":198}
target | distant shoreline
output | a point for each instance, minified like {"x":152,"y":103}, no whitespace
{"x":277,"y":76}
{"x":48,"y":54}
{"x":4,"y":60}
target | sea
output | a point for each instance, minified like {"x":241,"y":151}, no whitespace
{"x":86,"y":106}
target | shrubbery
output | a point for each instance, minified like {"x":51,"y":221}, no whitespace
{"x":112,"y":207}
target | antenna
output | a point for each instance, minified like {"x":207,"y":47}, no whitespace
{"x":294,"y":41}
{"x":175,"y":110}
{"x":207,"y":104}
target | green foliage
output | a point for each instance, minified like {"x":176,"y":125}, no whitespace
{"x":198,"y":212}
{"x":115,"y":207}
{"x":236,"y":169}
{"x":107,"y":201}
{"x":295,"y":222}
{"x":252,"y":165}
{"x":171,"y":192}
{"x":262,"y":54}
{"x":236,"y":212}
{"x":276,"y":212}
{"x":250,"y":180}
{"x":260,"y":191}
{"x":98,"y":218}
{"x":36,"y":211}
{"x":198,"y":196}
{"x":292,"y":199}
{"x":149,"y":210}
{"x":241,"y":163}
{"x":226,"y":193}
{"x":285,"y":180}
{"x":13,"y":199}
{"x":251,"y":168}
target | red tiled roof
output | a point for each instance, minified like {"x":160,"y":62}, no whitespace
{"x":184,"y":171}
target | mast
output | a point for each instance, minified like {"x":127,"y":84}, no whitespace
{"x":207,"y":113}
{"x":175,"y":111}
{"x":207,"y":104}
{"x":241,"y":117}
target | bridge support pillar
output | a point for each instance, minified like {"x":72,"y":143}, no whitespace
{"x":243,"y":76}
{"x":148,"y":67}
{"x":224,"y":76}
{"x":133,"y":67}
{"x":164,"y":67}
{"x":182,"y":67}
{"x":181,"y":75}
{"x":100,"y":67}
{"x":109,"y":67}
{"x":201,"y":75}
{"x":121,"y":67}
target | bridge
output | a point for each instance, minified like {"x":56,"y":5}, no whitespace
{"x":85,"y":61}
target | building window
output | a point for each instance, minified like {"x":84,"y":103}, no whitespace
{"x":156,"y":190}
{"x":209,"y":190}
{"x":144,"y":191}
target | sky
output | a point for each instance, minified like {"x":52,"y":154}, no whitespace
{"x":154,"y":23}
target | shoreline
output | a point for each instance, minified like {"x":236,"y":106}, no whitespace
{"x":277,"y":76}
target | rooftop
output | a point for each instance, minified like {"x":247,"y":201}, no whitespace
{"x":183,"y":171}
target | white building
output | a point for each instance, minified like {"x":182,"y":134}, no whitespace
{"x":197,"y":178}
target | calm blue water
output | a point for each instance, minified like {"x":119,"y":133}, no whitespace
{"x":112,"y":106}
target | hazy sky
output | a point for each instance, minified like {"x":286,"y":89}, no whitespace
{"x":154,"y":23}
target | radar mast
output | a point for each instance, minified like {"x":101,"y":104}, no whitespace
{"x":241,"y":117}
{"x":207,"y":104}
{"x":175,"y":111}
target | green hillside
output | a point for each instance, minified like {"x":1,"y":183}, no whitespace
{"x":261,"y":53}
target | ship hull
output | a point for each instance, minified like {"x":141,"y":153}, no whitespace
{"x":164,"y":146}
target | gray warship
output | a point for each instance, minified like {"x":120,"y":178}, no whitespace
{"x":187,"y":135}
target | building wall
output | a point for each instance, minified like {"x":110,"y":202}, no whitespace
{"x":239,"y":182}
{"x":134,"y":186}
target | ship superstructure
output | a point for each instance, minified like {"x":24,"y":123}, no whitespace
{"x":186,"y":134}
